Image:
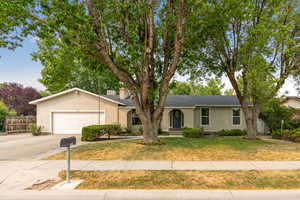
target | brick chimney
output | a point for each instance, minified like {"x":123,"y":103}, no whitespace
{"x":123,"y":93}
{"x":111,"y":92}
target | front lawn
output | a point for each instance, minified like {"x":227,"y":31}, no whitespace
{"x":250,"y":180}
{"x":190,"y":149}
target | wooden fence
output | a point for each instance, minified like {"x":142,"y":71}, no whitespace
{"x":18,"y":124}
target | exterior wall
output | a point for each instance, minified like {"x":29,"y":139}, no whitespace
{"x":74,"y":101}
{"x":124,"y":117}
{"x":188,"y":117}
{"x":220,"y":118}
{"x":292,"y":103}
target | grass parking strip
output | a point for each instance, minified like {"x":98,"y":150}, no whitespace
{"x":248,"y":180}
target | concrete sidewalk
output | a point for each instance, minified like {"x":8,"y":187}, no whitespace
{"x":149,"y":165}
{"x":152,"y":195}
{"x":21,"y":174}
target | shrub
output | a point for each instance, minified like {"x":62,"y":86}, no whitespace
{"x":273,"y":112}
{"x":276,"y":134}
{"x":291,"y":124}
{"x":137,"y":129}
{"x":92,"y":132}
{"x":294,"y":135}
{"x":192,"y":132}
{"x":4,"y":111}
{"x":231,"y":132}
{"x":35,"y":130}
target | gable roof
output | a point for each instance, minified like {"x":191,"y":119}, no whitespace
{"x":189,"y":100}
{"x":72,"y":90}
{"x":172,"y":100}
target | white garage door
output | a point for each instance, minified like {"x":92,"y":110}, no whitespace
{"x":72,"y":122}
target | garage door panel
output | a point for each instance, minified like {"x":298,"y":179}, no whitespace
{"x":72,"y":122}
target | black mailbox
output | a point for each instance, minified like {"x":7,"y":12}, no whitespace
{"x":67,"y":142}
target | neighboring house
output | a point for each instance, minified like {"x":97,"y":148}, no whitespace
{"x":293,"y":102}
{"x":68,"y":111}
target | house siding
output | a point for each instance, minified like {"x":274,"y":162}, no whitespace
{"x":220,"y":118}
{"x":292,"y":103}
{"x":78,"y":101}
{"x":188,"y":117}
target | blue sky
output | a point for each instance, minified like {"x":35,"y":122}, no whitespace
{"x":17,"y":66}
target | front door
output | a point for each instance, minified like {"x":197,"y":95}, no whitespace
{"x":177,"y":115}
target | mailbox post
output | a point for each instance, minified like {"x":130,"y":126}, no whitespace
{"x":67,"y":142}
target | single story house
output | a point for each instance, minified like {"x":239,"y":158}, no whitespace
{"x":68,"y":111}
{"x":293,"y":102}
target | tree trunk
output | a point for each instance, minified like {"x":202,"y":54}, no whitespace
{"x":150,"y":131}
{"x":251,"y":122}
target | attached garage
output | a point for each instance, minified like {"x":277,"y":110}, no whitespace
{"x":68,"y":111}
{"x":72,"y":122}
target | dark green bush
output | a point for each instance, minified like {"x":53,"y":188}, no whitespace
{"x":92,"y":132}
{"x":286,"y":134}
{"x":4,"y":111}
{"x":192,"y":132}
{"x":231,"y":132}
{"x":276,"y":134}
{"x":273,"y":112}
{"x":291,"y":124}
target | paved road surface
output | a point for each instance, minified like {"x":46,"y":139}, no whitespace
{"x":28,"y":147}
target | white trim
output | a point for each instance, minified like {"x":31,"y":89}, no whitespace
{"x":236,"y":116}
{"x":72,"y":90}
{"x":72,"y":111}
{"x":209,"y":117}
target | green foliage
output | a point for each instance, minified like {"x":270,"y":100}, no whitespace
{"x":232,"y":132}
{"x":287,"y":134}
{"x":4,"y":111}
{"x":44,"y":93}
{"x":137,"y":129}
{"x":212,"y":87}
{"x":273,"y":113}
{"x":253,"y":43}
{"x":78,"y":70}
{"x":291,"y":124}
{"x":14,"y":25}
{"x":277,"y":134}
{"x":192,"y":132}
{"x":92,"y":132}
{"x":35,"y":130}
{"x":295,"y":136}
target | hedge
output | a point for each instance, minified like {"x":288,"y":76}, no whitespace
{"x":192,"y":132}
{"x":286,"y":134}
{"x":92,"y":132}
{"x":231,"y":132}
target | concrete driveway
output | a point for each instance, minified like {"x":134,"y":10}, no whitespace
{"x":28,"y":147}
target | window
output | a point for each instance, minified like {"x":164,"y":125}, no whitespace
{"x":135,"y":118}
{"x":236,"y":116}
{"x":205,"y":116}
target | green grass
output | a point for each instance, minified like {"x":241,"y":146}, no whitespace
{"x":150,"y":179}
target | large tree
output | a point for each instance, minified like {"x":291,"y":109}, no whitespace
{"x":253,"y":43}
{"x":141,"y":42}
{"x":17,"y":97}
{"x":212,"y":87}
{"x":14,"y":24}
{"x":78,"y":70}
